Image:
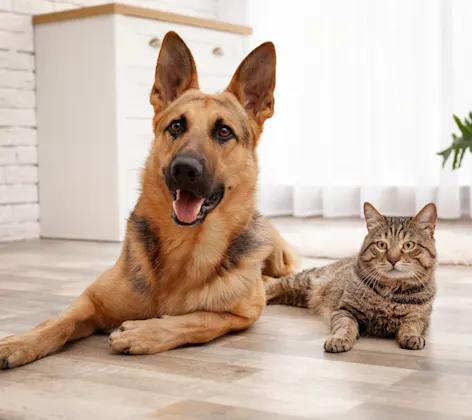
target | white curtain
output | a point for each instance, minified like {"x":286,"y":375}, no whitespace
{"x":365,"y":94}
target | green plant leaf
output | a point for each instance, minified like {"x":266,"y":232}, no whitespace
{"x":461,"y":156}
{"x":445,"y":155}
{"x":465,"y":130}
{"x":460,"y":144}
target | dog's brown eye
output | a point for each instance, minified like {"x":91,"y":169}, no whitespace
{"x":224,"y":131}
{"x":176,"y":127}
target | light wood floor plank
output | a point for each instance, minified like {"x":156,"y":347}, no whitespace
{"x":277,"y":369}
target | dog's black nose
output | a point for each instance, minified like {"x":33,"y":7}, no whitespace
{"x":186,"y":169}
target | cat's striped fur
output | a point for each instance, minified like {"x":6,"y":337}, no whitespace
{"x":386,"y":291}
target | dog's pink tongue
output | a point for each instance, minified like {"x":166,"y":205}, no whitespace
{"x":187,"y":206}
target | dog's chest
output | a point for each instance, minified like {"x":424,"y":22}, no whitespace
{"x":210,"y":273}
{"x":218,"y":295}
{"x":200,"y":288}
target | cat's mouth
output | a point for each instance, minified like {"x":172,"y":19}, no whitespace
{"x":397,"y":273}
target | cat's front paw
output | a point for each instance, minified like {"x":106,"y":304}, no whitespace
{"x":337,"y":345}
{"x":412,"y":342}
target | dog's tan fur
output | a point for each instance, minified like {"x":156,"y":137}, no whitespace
{"x":202,"y":281}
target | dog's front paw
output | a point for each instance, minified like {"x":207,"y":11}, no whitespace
{"x":412,"y":342}
{"x":142,"y":337}
{"x":17,"y":351}
{"x":337,"y":345}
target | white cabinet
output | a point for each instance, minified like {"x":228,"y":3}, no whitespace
{"x":95,"y":69}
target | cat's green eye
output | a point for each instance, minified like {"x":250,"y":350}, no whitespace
{"x":382,"y":245}
{"x":409,"y":245}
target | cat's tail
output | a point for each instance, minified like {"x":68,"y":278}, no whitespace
{"x":293,"y":290}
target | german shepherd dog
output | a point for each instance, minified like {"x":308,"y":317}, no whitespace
{"x":196,"y":251}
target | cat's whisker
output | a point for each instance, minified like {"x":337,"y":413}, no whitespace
{"x":365,"y":275}
{"x":422,"y":283}
{"x":375,"y":284}
{"x":369,"y":281}
{"x":368,"y":303}
{"x":366,"y":272}
{"x":423,"y":278}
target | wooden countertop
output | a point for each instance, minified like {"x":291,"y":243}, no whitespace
{"x":123,"y":9}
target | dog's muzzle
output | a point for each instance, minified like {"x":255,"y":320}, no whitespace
{"x":192,"y":188}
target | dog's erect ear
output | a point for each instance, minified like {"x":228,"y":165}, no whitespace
{"x":372,"y":217}
{"x":426,"y":218}
{"x":254,"y":82}
{"x":175,"y":72}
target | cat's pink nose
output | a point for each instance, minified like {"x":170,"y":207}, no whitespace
{"x":393,"y":261}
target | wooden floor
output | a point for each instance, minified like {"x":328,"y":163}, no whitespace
{"x":275,"y":370}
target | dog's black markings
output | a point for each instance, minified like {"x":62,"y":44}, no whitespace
{"x":133,"y":272}
{"x":244,"y":243}
{"x":151,"y":243}
{"x":149,"y":238}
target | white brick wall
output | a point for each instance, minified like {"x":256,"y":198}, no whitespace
{"x":26,"y":174}
{"x":19,"y":208}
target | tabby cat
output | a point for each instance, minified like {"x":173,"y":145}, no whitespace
{"x":386,"y":291}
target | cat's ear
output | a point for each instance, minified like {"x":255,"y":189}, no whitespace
{"x":372,"y":216}
{"x":426,"y":218}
